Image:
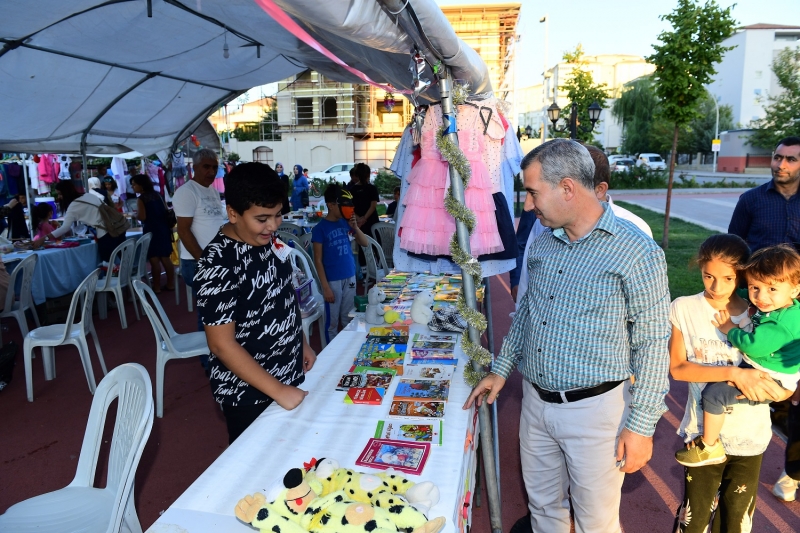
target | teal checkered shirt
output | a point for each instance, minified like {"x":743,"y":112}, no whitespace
{"x":596,"y":310}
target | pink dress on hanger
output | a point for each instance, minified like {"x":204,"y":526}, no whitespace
{"x":426,"y":226}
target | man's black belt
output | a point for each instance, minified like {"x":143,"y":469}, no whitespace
{"x":574,"y":395}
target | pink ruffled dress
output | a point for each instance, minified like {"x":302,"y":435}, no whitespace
{"x":426,"y":226}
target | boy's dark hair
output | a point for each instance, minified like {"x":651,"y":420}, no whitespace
{"x":788,"y":141}
{"x":397,"y":189}
{"x":777,"y":263}
{"x":602,"y":170}
{"x":332,"y":193}
{"x":726,"y":247}
{"x":252,"y":184}
{"x":144,"y":182}
{"x":362,"y":173}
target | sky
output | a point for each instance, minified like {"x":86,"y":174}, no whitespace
{"x":612,"y":26}
{"x":602,"y":27}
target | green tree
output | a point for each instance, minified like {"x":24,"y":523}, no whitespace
{"x":636,"y":109}
{"x":782,"y":115}
{"x":582,"y":90}
{"x":702,"y":127}
{"x":684,"y":60}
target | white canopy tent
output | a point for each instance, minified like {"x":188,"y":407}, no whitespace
{"x":114,"y":76}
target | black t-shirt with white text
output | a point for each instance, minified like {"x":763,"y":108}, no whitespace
{"x":251,"y":286}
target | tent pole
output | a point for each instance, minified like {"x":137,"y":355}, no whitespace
{"x":27,"y":181}
{"x":490,"y":338}
{"x":457,"y":187}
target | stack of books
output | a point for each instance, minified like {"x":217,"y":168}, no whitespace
{"x":434,"y":349}
{"x":420,"y":398}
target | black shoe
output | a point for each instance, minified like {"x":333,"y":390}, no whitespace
{"x":523,"y":525}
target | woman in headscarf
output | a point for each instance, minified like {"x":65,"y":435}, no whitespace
{"x":285,"y":180}
{"x":299,"y":188}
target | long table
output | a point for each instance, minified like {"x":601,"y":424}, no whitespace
{"x":59,"y":271}
{"x":324,"y":426}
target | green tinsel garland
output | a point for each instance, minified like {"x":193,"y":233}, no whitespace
{"x":469,"y":265}
{"x":460,"y":93}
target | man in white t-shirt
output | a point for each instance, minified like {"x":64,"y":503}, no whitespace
{"x":200,"y":214}
{"x":602,"y":173}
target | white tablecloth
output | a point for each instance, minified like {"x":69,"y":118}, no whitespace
{"x":322,"y":426}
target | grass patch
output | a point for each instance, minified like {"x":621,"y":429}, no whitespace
{"x":684,"y":241}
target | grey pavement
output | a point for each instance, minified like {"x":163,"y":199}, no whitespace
{"x":709,"y":208}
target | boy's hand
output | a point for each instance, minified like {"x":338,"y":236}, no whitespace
{"x":290,"y":397}
{"x":309,"y":358}
{"x":722,"y":321}
{"x":353,"y":222}
{"x":327,"y":294}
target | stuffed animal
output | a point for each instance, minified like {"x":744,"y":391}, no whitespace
{"x":421,"y":311}
{"x":293,"y":506}
{"x":375,"y":298}
{"x":388,"y":489}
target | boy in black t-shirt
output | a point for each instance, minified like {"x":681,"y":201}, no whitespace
{"x":248,"y":304}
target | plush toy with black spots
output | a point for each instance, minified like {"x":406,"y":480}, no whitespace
{"x":292,"y":505}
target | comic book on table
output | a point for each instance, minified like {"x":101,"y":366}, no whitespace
{"x":422,"y":389}
{"x":409,"y":457}
{"x":411,"y":431}
{"x":365,"y":377}
{"x":365,"y":395}
{"x":417,"y":409}
{"x":389,"y":356}
{"x":429,"y":371}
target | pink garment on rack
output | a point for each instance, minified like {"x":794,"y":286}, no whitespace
{"x":426,"y":226}
{"x":48,"y":168}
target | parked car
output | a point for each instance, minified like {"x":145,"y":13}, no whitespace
{"x":651,"y":161}
{"x":622,"y":165}
{"x":613,"y":159}
{"x":338,"y":172}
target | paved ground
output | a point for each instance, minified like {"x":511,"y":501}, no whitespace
{"x":709,"y":208}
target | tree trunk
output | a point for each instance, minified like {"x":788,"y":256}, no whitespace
{"x":673,"y":154}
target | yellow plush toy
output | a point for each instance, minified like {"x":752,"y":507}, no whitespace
{"x":293,"y":506}
{"x":407,"y":501}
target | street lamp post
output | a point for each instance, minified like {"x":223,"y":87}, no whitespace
{"x":554,"y":112}
{"x":716,"y":133}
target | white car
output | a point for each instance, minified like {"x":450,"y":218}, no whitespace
{"x":651,"y":161}
{"x":338,"y":172}
{"x":623,"y":164}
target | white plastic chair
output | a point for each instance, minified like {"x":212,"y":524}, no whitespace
{"x":139,"y":270}
{"x":80,"y":506}
{"x":169,"y":343}
{"x":294,"y":229}
{"x":16,"y":309}
{"x":304,"y":263}
{"x":115,"y":284}
{"x":301,"y":241}
{"x":48,"y":337}
{"x":386,"y":232}
{"x":376,"y":261}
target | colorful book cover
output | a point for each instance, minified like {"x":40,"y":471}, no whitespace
{"x":429,"y":362}
{"x":422,"y":389}
{"x":395,"y":364}
{"x":417,"y":409}
{"x":428,"y":371}
{"x":364,"y":395}
{"x":387,"y":340}
{"x":382,"y":351}
{"x":410,"y":432}
{"x":366,"y":377}
{"x":419,"y":353}
{"x":435,"y":345}
{"x":453,"y":337}
{"x":388,"y":331}
{"x":409,"y":457}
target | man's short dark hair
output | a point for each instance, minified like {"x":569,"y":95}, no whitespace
{"x":602,"y":170}
{"x":332,"y":193}
{"x":397,"y":189}
{"x":788,"y":141}
{"x":252,"y":184}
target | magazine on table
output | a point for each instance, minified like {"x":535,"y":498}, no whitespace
{"x":433,"y":371}
{"x":422,"y":389}
{"x":365,"y":377}
{"x":410,"y":431}
{"x":388,"y":331}
{"x":451,"y":337}
{"x":409,"y":457}
{"x":432,"y":353}
{"x":429,"y":362}
{"x":417,"y":409}
{"x":364,"y":395}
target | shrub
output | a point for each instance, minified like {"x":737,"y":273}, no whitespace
{"x":386,"y":181}
{"x":638,"y":178}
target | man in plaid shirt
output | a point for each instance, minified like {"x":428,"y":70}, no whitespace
{"x":595,"y":315}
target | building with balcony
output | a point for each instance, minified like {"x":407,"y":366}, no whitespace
{"x":615,"y":70}
{"x":321,"y":122}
